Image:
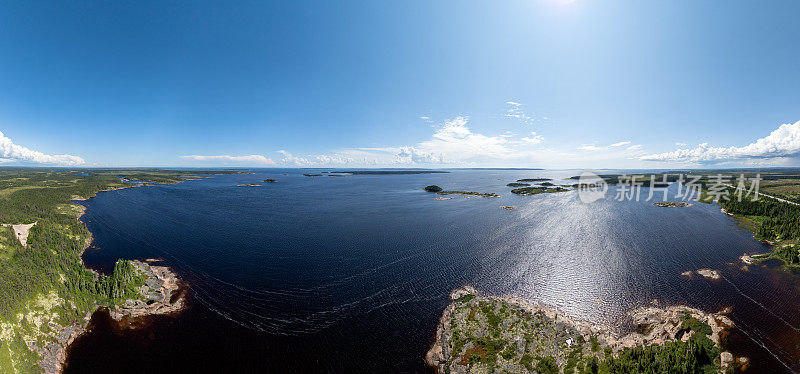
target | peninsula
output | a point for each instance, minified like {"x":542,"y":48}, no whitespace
{"x":46,"y":293}
{"x":482,"y":334}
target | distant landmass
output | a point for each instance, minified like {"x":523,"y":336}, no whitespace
{"x":388,"y":172}
{"x":501,"y":169}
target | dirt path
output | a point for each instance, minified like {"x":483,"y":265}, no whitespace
{"x":770,"y":196}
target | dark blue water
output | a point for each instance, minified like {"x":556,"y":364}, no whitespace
{"x":350,"y":274}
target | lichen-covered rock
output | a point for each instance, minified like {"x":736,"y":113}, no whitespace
{"x":478,"y":334}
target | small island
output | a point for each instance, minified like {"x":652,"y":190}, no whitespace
{"x":432,"y":188}
{"x":508,"y":207}
{"x":537,"y":190}
{"x":441,"y":191}
{"x":469,"y":193}
{"x":534,"y":180}
{"x":482,"y":334}
{"x":670,"y":204}
{"x":312,"y":175}
{"x":516,"y":184}
{"x":270,"y":180}
{"x":546,"y":184}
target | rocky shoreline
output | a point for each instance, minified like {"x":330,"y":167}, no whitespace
{"x":160,"y":295}
{"x":479,"y":333}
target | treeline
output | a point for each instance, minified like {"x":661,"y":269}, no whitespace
{"x":671,"y":357}
{"x":51,"y":260}
{"x":696,"y":355}
{"x":120,"y":285}
{"x":777,"y":220}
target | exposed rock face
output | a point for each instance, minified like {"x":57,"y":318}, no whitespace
{"x":710,"y":274}
{"x":160,"y":287}
{"x":726,"y":359}
{"x":156,"y":297}
{"x":503,"y":334}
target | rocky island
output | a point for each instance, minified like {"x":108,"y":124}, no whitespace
{"x":670,"y":204}
{"x":538,"y":190}
{"x":441,"y":191}
{"x":469,"y":193}
{"x":433,"y":188}
{"x":482,"y":334}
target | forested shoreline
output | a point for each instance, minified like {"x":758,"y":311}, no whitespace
{"x":44,"y":285}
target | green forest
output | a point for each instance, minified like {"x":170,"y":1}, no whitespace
{"x":50,"y":263}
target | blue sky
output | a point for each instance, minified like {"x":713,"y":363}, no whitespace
{"x":552,"y":83}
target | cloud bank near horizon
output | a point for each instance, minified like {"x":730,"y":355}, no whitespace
{"x":779,"y":144}
{"x":454,"y":143}
{"x":10,"y":152}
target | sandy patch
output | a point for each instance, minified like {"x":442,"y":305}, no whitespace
{"x":21,"y":232}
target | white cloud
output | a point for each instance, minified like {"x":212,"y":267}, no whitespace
{"x":289,"y":159}
{"x":253,"y":159}
{"x":452,"y":143}
{"x":516,"y":112}
{"x":412,"y":155}
{"x":590,"y":147}
{"x":11,"y":152}
{"x":533,"y":139}
{"x":679,"y":144}
{"x":346,"y":157}
{"x":782,"y":142}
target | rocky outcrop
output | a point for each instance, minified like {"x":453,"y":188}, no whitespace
{"x":484,"y":334}
{"x":161,"y":286}
{"x":161,"y":294}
